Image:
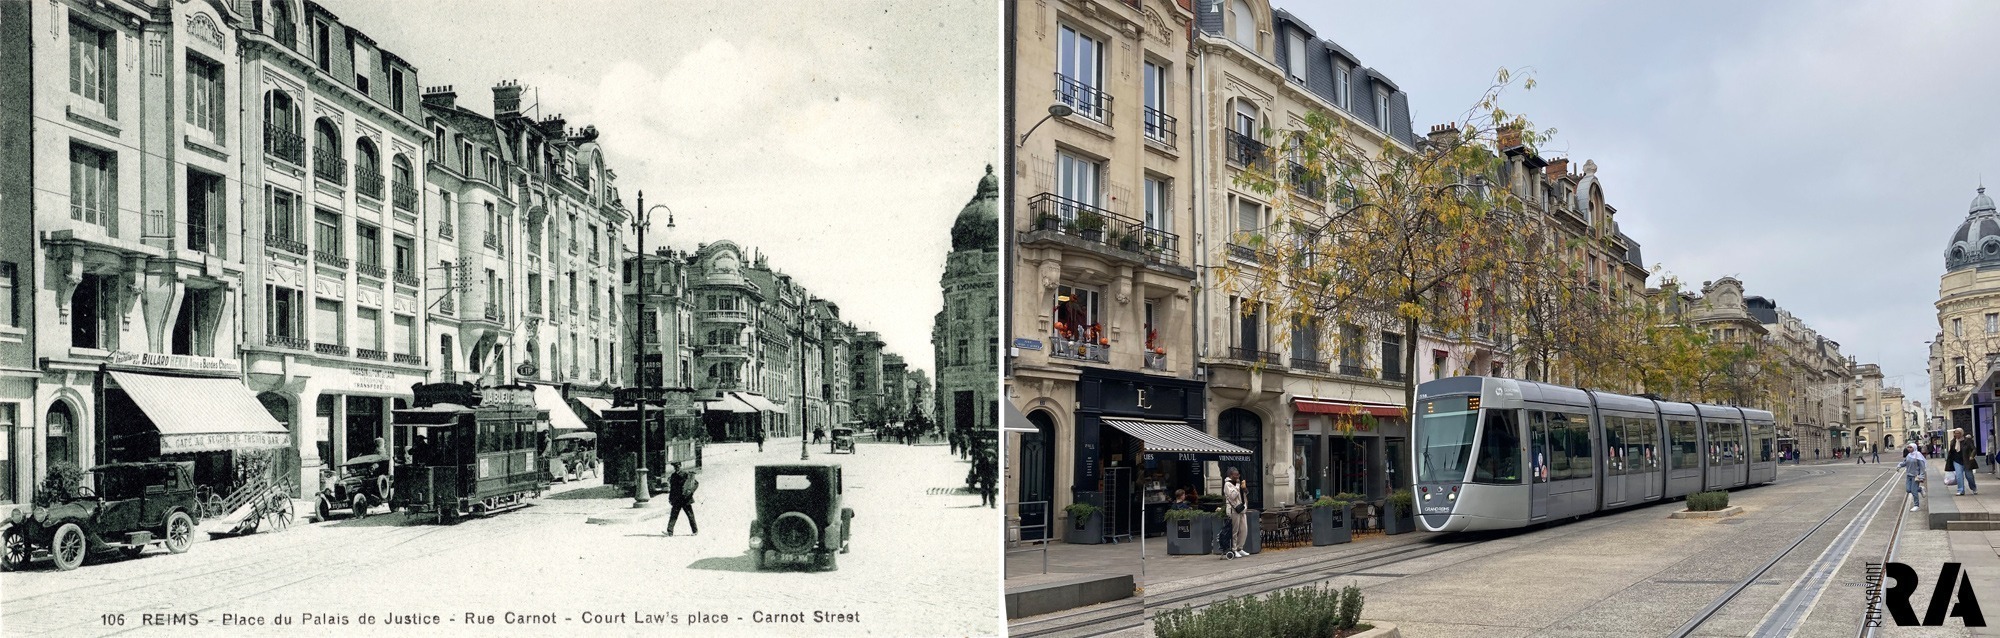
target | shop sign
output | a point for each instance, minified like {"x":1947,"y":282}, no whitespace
{"x":185,"y":362}
{"x":182,"y":443}
{"x":369,"y":379}
{"x":1301,"y":424}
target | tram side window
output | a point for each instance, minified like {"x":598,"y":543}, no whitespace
{"x":1635,"y":447}
{"x":1686,"y":446}
{"x":1580,"y":465}
{"x":1649,"y":444}
{"x":1614,"y":445}
{"x":1558,"y":446}
{"x":1499,"y":450}
{"x":1538,"y":444}
{"x":1763,"y":430}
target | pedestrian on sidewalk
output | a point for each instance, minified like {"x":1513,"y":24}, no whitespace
{"x":760,"y":446}
{"x":1857,"y":459}
{"x":1234,"y":506}
{"x":1913,"y":467}
{"x":1967,"y":455}
{"x":680,"y":495}
{"x":1877,"y":457}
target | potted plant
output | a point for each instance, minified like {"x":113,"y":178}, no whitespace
{"x":1209,"y":502}
{"x":1191,"y":532}
{"x":1402,"y":513}
{"x":1332,"y":521}
{"x":1048,"y":221}
{"x":1090,"y":225}
{"x":1128,"y":242}
{"x":1086,"y":524}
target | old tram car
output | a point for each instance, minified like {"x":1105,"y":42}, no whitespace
{"x":1500,"y":453}
{"x":673,"y":435}
{"x":468,"y":451}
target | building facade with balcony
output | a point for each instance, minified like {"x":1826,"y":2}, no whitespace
{"x":1965,"y":356}
{"x":329,"y":187}
{"x":1102,"y":270}
{"x":473,"y":244}
{"x":1320,"y":406}
{"x":22,"y":427}
{"x":965,"y":334}
{"x":660,"y":337}
{"x":836,"y":346}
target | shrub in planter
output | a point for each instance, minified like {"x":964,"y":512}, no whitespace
{"x":1209,"y":502}
{"x":1707,"y":501}
{"x":1301,"y":612}
{"x":1048,"y":221}
{"x":1090,"y":225}
{"x":59,"y":485}
{"x":1086,"y":524}
{"x":1191,"y":532}
{"x":1402,"y":513}
{"x":1332,"y":521}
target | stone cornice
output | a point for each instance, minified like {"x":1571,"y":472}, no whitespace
{"x":349,"y":98}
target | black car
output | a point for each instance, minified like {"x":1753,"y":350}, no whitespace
{"x":363,"y":483}
{"x":799,"y":517}
{"x":129,"y":507}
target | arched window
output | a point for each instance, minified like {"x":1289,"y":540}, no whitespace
{"x":62,"y":445}
{"x":403,"y":183}
{"x":284,"y":26}
{"x":327,"y":161}
{"x":367,"y":168}
{"x":281,"y":127}
{"x":1244,"y":29}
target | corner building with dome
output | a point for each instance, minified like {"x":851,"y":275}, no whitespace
{"x":966,"y":331}
{"x":1965,"y":354}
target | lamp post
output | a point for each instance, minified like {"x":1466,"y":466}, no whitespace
{"x":803,"y":419}
{"x":641,"y":488}
{"x":1055,"y":110}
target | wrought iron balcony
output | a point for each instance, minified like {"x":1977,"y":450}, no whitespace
{"x":1161,"y":247}
{"x":1308,"y":363}
{"x":286,"y":244}
{"x":328,"y":165}
{"x":197,"y":237}
{"x":1087,"y":100}
{"x":492,"y":240}
{"x":407,"y":359}
{"x":1084,"y":221}
{"x":372,"y":270}
{"x":1245,"y":253}
{"x":492,"y":311}
{"x":1160,"y":127}
{"x":1244,"y":150}
{"x":1303,"y":182}
{"x":332,"y":349}
{"x":368,"y":184}
{"x":1351,"y":369}
{"x":284,"y":341}
{"x":1254,"y":355}
{"x":1394,"y":375}
{"x":406,"y":197}
{"x":408,"y":279}
{"x":1078,"y":349}
{"x":371,"y":354}
{"x":1156,"y":361}
{"x":329,"y":259}
{"x":445,"y":230}
{"x":284,"y":144}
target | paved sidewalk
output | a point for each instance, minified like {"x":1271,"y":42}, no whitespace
{"x":1977,"y":550}
{"x":1162,"y":571}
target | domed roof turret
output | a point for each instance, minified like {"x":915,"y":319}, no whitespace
{"x":1977,"y":242}
{"x":978,"y":225}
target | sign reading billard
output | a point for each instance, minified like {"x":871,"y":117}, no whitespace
{"x":175,"y":362}
{"x":179,"y":443}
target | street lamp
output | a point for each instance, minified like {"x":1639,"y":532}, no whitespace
{"x":1055,"y":110}
{"x":642,"y":489}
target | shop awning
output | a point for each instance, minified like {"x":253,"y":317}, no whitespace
{"x":226,"y":415}
{"x":755,"y":401}
{"x":1325,"y":406}
{"x":560,"y":416}
{"x":728,"y":404}
{"x":595,"y":405}
{"x":1179,"y":441}
{"x":1014,"y":421}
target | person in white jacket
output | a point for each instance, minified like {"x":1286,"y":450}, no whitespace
{"x":1914,"y":466}
{"x":1234,"y":505}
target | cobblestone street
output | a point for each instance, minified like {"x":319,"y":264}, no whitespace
{"x":544,"y":560}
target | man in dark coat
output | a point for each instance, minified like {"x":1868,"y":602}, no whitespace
{"x":680,"y":494}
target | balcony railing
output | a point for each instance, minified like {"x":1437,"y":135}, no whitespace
{"x":1244,"y":150}
{"x":286,"y":244}
{"x":1245,"y":253}
{"x":283,"y":341}
{"x":285,"y":144}
{"x":1160,"y":127}
{"x":331,"y":349}
{"x":1087,"y":100}
{"x":368,"y":184}
{"x":445,"y":230}
{"x":1352,"y":369}
{"x":492,"y":239}
{"x":328,"y":165}
{"x":407,"y":359}
{"x":408,"y":279}
{"x":1078,"y":349}
{"x":1308,"y":363}
{"x":1161,"y":247}
{"x":572,"y":245}
{"x":1303,"y":182}
{"x":446,"y":306}
{"x":406,"y":197}
{"x":1253,"y":355}
{"x":492,"y":311}
{"x":1394,"y":375}
{"x":1156,"y":361}
{"x":328,"y":259}
{"x":372,"y":354}
{"x":372,"y":270}
{"x":1067,"y":216}
{"x":197,"y":236}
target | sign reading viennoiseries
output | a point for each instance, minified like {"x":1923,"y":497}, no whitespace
{"x":179,"y":443}
{"x":175,"y":362}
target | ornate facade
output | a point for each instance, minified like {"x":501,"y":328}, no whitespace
{"x":1967,"y":348}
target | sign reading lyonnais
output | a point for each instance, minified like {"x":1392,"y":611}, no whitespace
{"x":175,"y":361}
{"x":180,"y":443}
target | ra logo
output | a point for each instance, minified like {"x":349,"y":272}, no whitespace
{"x":1951,"y":597}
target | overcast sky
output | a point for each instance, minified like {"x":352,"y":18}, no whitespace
{"x":1823,"y":153}
{"x":840,"y":138}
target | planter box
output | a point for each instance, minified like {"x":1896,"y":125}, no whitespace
{"x":1332,"y":526}
{"x":1191,"y":536}
{"x":1398,"y":522}
{"x":1253,"y":541}
{"x":1089,"y":531}
{"x":1091,"y":235}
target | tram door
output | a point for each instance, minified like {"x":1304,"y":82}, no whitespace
{"x":1538,"y":449}
{"x":1614,"y":459}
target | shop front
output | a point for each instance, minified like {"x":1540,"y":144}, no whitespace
{"x":157,"y":407}
{"x":352,"y":410}
{"x":728,"y":418}
{"x":1117,"y":413}
{"x":1354,"y":447}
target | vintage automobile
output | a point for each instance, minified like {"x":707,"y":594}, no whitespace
{"x":841,"y":441}
{"x":571,"y":454}
{"x":363,"y":483}
{"x":799,"y":517}
{"x":129,"y":507}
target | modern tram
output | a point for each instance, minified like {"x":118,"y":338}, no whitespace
{"x":1497,"y":453}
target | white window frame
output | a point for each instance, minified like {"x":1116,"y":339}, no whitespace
{"x":1341,"y":90}
{"x":1080,"y":58}
{"x":1153,"y":79}
{"x":1158,"y":200}
{"x":1382,"y":108}
{"x":1295,"y":58}
{"x":1093,"y":299}
{"x":1079,"y":179}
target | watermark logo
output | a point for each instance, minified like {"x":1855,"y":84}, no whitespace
{"x":1951,"y":597}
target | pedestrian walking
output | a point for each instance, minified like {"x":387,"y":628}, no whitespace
{"x":988,"y":470}
{"x":680,"y":495}
{"x":1234,"y":506}
{"x":1967,"y":455}
{"x":1913,"y":466}
{"x":1857,"y":459}
{"x":760,"y":442}
{"x":1876,"y":457}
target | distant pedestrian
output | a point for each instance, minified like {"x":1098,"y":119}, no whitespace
{"x":680,"y":495}
{"x":1876,"y":457}
{"x":1857,"y":459}
{"x":1966,"y":455}
{"x":760,"y":440}
{"x":1234,"y":506}
{"x":988,"y":471}
{"x":1913,"y":467}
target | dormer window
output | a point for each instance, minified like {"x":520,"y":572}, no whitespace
{"x":1244,"y":27}
{"x":1295,"y":56}
{"x":1340,"y":88}
{"x":1382,"y":108}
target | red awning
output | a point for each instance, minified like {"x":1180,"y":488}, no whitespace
{"x":1322,"y":406}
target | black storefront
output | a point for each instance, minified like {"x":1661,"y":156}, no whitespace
{"x":1112,"y":470}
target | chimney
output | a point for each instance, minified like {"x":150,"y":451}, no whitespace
{"x":552,"y":126}
{"x":440,"y":96}
{"x":1558,"y":168}
{"x":1442,"y":133}
{"x":506,"y":98}
{"x":1510,"y":137}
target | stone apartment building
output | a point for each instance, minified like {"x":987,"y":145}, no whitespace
{"x":965,"y":333}
{"x":1964,"y":354}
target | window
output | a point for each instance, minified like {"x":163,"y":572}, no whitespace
{"x":492,"y":167}
{"x":1077,"y":182}
{"x":282,"y":312}
{"x":1499,"y":460}
{"x":396,"y":89}
{"x":464,"y":157}
{"x":204,"y":94}
{"x":93,"y":65}
{"x":650,"y":324}
{"x":405,"y":340}
{"x":1340,"y":88}
{"x":1392,"y":356}
{"x":1686,"y":447}
{"x":327,"y":315}
{"x":1957,"y":328}
{"x":1958,"y":364}
{"x":93,"y":313}
{"x":1159,"y":125}
{"x":1305,"y":340}
{"x":1382,"y":108}
{"x":1614,"y":445}
{"x":326,"y":235}
{"x":1439,"y":358}
{"x":963,"y":350}
{"x":406,"y":255}
{"x":1249,"y":216}
{"x":1159,"y":204}
{"x":1295,"y":56}
{"x":93,"y":185}
{"x":368,"y":328}
{"x":1243,"y":24}
{"x":204,"y":211}
{"x":1992,"y":323}
{"x":368,"y":245}
{"x":323,"y":45}
{"x":534,"y":293}
{"x":1076,"y":307}
{"x":10,"y":296}
{"x":281,"y":19}
{"x":1080,"y":73}
{"x":8,"y":454}
{"x":362,"y":64}
{"x":438,"y":141}
{"x":1249,"y":324}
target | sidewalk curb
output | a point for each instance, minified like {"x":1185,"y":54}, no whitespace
{"x":628,"y":515}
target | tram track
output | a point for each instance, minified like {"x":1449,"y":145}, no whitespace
{"x":1871,"y":626}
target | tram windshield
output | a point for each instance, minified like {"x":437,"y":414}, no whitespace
{"x":1444,"y":439}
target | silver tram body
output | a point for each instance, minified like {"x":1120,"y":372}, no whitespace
{"x":1495,"y":453}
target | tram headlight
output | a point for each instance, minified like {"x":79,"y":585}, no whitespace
{"x":1451,"y":497}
